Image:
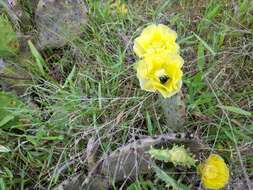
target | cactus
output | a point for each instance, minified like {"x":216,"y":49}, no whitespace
{"x":178,"y":155}
{"x":129,"y":161}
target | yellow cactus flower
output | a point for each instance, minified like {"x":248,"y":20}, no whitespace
{"x":214,"y":172}
{"x":155,"y":38}
{"x":160,"y":71}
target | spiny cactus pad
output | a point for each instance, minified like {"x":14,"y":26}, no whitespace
{"x":178,"y":155}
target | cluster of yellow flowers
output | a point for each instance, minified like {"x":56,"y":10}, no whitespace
{"x":159,"y":67}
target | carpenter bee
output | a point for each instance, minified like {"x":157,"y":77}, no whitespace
{"x":163,"y":79}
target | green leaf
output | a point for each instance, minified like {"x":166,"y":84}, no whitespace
{"x":4,"y":149}
{"x":149,"y":124}
{"x":169,"y":180}
{"x":6,"y":119}
{"x":235,"y":110}
{"x":70,"y":77}
{"x":38,"y":58}
{"x":134,"y":186}
{"x":2,"y":184}
{"x":213,"y":12}
{"x":201,"y":57}
{"x":243,"y":7}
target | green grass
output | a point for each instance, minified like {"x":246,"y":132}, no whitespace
{"x":89,"y":88}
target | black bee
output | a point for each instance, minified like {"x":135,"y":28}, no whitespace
{"x":163,"y":79}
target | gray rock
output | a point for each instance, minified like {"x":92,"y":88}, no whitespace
{"x":59,"y":21}
{"x":2,"y":64}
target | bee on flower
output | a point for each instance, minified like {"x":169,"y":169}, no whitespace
{"x":214,"y":172}
{"x":160,"y":71}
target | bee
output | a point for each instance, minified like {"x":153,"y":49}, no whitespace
{"x":163,"y":79}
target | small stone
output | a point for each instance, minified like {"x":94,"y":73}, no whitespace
{"x":58,"y":22}
{"x":2,"y":64}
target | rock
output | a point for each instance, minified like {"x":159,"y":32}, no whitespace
{"x":59,"y":21}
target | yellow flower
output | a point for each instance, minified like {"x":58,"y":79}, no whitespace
{"x":214,"y":172}
{"x":155,"y":38}
{"x":160,"y":71}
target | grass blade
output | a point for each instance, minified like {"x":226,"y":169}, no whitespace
{"x":2,"y":184}
{"x":169,"y":180}
{"x":4,"y":149}
{"x":205,"y":44}
{"x":38,"y":58}
{"x":235,"y":110}
{"x":149,"y":124}
{"x":70,"y":77}
{"x":201,"y":57}
{"x":6,"y":119}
